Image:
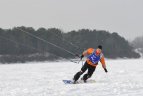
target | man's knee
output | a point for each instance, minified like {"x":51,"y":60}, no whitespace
{"x":80,"y":72}
{"x":89,"y":75}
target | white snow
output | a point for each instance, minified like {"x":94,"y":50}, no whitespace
{"x":125,"y":78}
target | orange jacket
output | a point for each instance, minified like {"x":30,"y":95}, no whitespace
{"x":90,"y":51}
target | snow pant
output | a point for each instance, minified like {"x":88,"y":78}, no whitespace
{"x":86,"y":66}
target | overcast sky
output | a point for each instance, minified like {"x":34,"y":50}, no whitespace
{"x":122,"y":16}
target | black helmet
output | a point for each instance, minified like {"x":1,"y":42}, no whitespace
{"x":100,"y":47}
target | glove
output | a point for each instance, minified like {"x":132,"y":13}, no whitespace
{"x":81,"y":57}
{"x":105,"y":70}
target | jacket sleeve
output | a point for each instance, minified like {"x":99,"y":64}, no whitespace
{"x":102,"y":60}
{"x":88,"y":51}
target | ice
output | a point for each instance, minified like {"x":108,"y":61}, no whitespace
{"x":125,"y":78}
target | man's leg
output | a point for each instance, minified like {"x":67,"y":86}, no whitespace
{"x":91,"y":69}
{"x":78,"y":74}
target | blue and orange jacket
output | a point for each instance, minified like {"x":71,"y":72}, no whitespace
{"x":89,"y":51}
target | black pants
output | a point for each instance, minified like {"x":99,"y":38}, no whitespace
{"x":86,"y":66}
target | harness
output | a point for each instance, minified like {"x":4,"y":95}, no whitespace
{"x":94,"y":58}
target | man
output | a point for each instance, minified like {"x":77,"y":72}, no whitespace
{"x":93,"y":57}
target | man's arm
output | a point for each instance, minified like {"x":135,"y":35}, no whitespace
{"x":87,"y":52}
{"x":102,"y":60}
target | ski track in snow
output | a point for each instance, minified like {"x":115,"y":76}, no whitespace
{"x":125,"y":78}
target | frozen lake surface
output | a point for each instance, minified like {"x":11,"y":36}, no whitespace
{"x":125,"y":78}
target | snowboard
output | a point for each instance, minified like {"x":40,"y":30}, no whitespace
{"x":78,"y":82}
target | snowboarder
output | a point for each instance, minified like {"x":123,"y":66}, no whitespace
{"x":93,"y":57}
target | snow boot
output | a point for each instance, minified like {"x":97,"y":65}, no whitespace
{"x":85,"y":77}
{"x":76,"y":76}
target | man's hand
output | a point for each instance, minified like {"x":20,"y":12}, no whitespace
{"x":81,"y":57}
{"x":105,"y":70}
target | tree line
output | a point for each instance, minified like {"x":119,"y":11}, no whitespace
{"x":137,"y":43}
{"x":16,"y":45}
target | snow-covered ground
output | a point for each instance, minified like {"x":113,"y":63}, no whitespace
{"x":125,"y":78}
